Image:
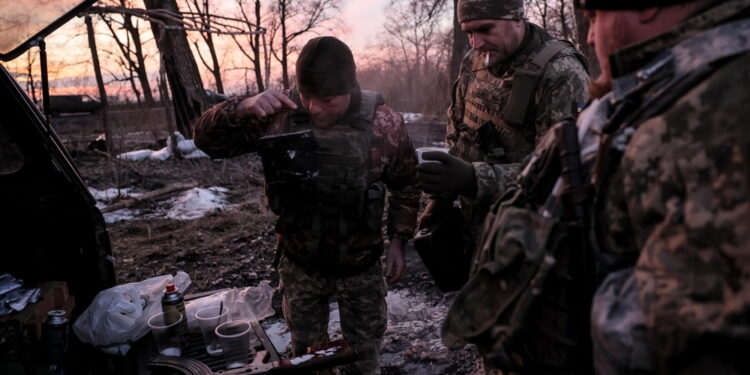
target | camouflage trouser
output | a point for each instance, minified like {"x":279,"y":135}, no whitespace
{"x":362,"y":309}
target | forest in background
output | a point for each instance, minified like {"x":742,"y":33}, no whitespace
{"x":149,"y":52}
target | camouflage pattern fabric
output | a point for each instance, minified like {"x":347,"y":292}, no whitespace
{"x":469,"y":10}
{"x":362,"y":309}
{"x":220,"y":134}
{"x":679,"y":203}
{"x":561,"y":88}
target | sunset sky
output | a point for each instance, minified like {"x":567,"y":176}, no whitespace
{"x":70,"y":59}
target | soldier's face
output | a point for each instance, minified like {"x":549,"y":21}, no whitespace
{"x":495,"y":40}
{"x":325,"y":110}
{"x":610,"y":31}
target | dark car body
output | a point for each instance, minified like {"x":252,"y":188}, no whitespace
{"x":50,"y":227}
{"x":59,"y":104}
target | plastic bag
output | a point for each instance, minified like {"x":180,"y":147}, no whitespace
{"x":119,"y":316}
{"x":250,"y":303}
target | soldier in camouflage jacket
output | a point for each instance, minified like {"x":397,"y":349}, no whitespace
{"x":322,"y":260}
{"x":672,"y":214}
{"x":487,"y":135}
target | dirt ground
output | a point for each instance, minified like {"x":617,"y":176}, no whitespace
{"x":235,"y":246}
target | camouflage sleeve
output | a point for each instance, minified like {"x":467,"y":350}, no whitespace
{"x":695,"y":260}
{"x":220,"y":134}
{"x":562,"y":88}
{"x":399,"y":174}
{"x":493,"y":179}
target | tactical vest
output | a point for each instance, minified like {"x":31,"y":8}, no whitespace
{"x":503,"y":106}
{"x":339,"y":200}
{"x":526,"y":304}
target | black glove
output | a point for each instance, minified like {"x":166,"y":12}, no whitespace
{"x":449,"y":175}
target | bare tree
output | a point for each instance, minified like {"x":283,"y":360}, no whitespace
{"x":419,"y":46}
{"x":99,"y":83}
{"x":296,"y":18}
{"x":30,"y":86}
{"x":182,"y":72}
{"x":201,"y":8}
{"x":255,"y":42}
{"x":131,"y":48}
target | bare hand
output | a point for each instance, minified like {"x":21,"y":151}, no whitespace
{"x":395,"y":264}
{"x":265,"y":104}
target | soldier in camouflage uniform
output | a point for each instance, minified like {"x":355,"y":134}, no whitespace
{"x":664,"y":148}
{"x":330,"y":228}
{"x":514,"y":83}
{"x":671,"y":174}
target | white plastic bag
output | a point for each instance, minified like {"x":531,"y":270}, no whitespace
{"x":119,"y":316}
{"x":250,"y":303}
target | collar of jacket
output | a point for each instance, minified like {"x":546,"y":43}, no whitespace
{"x":629,"y":59}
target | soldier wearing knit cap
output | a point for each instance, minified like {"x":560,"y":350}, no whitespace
{"x":330,"y":225}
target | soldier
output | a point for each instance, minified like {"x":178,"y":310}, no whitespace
{"x":514,"y":83}
{"x":330,"y":228}
{"x":654,"y":187}
{"x":672,"y":181}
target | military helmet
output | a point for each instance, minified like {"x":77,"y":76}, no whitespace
{"x":625,"y":5}
{"x":326,"y":67}
{"x":469,"y":10}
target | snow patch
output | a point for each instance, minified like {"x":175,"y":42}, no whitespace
{"x":122,"y":215}
{"x":197,"y":202}
{"x":279,"y":335}
{"x":111,"y":194}
{"x":411,"y":117}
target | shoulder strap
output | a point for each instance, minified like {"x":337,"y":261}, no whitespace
{"x":526,"y":78}
{"x":369,"y":103}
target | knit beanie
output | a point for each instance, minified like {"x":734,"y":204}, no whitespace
{"x":325,"y":67}
{"x":469,"y":10}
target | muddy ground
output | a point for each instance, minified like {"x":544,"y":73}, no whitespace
{"x":235,"y":245}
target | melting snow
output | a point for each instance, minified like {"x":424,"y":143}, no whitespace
{"x":121,"y":215}
{"x":197,"y":202}
{"x":413,"y":321}
{"x":410,"y":117}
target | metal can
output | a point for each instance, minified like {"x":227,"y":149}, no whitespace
{"x":55,"y":333}
{"x":173,"y":305}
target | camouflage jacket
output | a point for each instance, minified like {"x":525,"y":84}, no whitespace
{"x":221,"y":134}
{"x":561,"y":88}
{"x":674,"y":183}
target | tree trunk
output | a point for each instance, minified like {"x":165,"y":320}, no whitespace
{"x":141,"y":66}
{"x":582,"y":29}
{"x":109,"y":140}
{"x":257,"y":62}
{"x":284,"y":44}
{"x":460,"y":44}
{"x":188,"y":96}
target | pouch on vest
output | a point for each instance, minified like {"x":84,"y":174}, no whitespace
{"x":440,"y":244}
{"x":288,"y":160}
{"x":526,"y":305}
{"x":374,"y":206}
